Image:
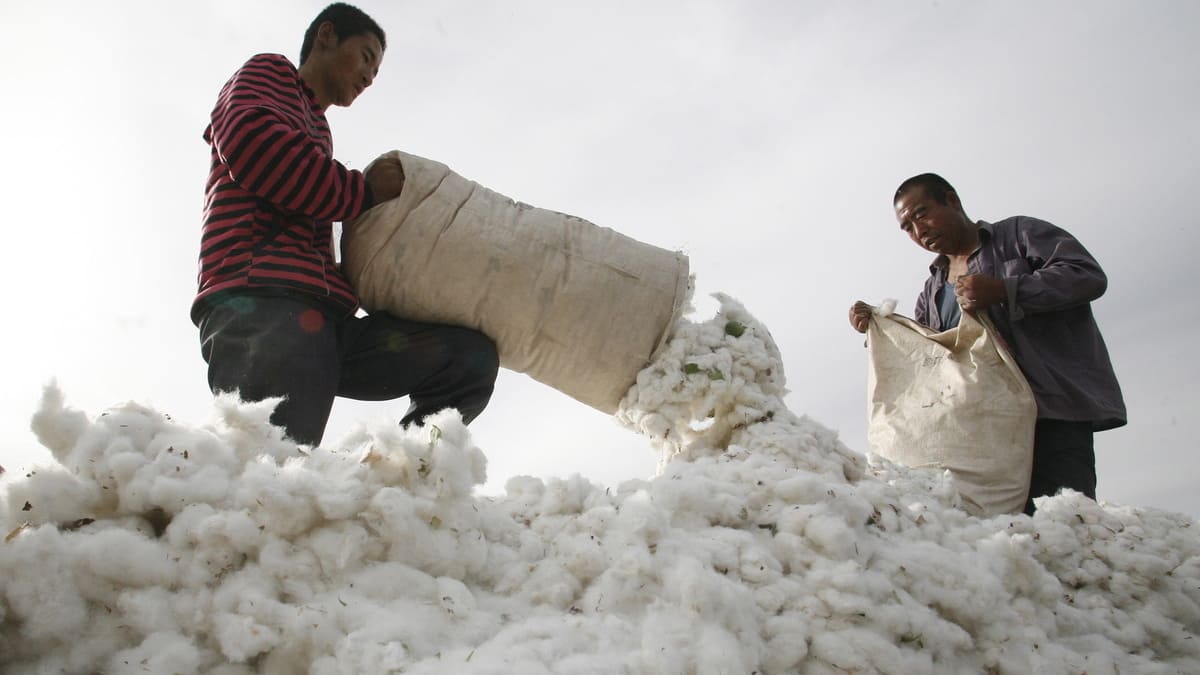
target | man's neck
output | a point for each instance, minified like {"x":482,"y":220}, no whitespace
{"x":970,"y":242}
{"x":307,"y":73}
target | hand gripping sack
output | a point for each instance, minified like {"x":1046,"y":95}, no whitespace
{"x":954,"y":400}
{"x":573,"y":305}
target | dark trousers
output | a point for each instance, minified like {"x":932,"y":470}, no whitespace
{"x":265,"y":346}
{"x":1063,"y":457}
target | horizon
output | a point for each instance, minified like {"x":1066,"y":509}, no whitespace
{"x":763,"y":141}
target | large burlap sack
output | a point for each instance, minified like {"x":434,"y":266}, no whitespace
{"x":574,"y":305}
{"x":953,"y":400}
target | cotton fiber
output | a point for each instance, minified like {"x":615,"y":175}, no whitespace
{"x":764,"y":545}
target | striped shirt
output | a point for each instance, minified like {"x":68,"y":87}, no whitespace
{"x":274,"y":191}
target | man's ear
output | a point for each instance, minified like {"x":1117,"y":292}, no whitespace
{"x":952,"y":200}
{"x":326,"y":35}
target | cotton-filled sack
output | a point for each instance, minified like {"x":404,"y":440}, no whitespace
{"x":954,"y":400}
{"x":576,"y":306}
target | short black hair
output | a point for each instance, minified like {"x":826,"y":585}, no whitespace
{"x":935,"y":186}
{"x":347,"y":21}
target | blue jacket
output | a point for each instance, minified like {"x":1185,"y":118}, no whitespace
{"x":1047,"y":321}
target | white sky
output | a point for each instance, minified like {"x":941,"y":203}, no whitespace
{"x":763,"y":139}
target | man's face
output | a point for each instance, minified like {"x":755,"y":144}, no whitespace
{"x":351,"y":67}
{"x":935,"y":227}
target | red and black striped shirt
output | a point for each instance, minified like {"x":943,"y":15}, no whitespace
{"x":274,"y":191}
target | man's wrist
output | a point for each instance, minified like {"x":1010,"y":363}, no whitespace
{"x":368,"y":195}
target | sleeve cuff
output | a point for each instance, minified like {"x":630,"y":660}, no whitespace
{"x":368,"y":196}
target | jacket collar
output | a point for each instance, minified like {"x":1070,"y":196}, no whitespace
{"x":941,"y":263}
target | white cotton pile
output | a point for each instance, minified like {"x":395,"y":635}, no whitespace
{"x":765,"y":546}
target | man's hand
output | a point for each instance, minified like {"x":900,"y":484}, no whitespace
{"x":860,"y":316}
{"x":979,"y":291}
{"x":386,"y":178}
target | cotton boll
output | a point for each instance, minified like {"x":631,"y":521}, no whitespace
{"x":39,"y":588}
{"x":582,"y":555}
{"x":699,"y":497}
{"x":50,"y":495}
{"x":454,"y":597}
{"x":913,"y":625}
{"x":185,"y":447}
{"x":830,"y":536}
{"x":341,"y":547}
{"x":148,"y":610}
{"x":106,"y":633}
{"x":124,"y":461}
{"x":550,"y":584}
{"x":714,"y":597}
{"x":295,"y":569}
{"x":242,"y":637}
{"x":210,"y":542}
{"x":774,"y":597}
{"x":524,"y":492}
{"x":382,"y":449}
{"x":682,"y":644}
{"x":306,"y":630}
{"x":56,"y":426}
{"x":133,"y":421}
{"x":802,"y":488}
{"x":886,"y":308}
{"x":160,"y":652}
{"x":639,"y":521}
{"x":861,"y":650}
{"x":279,"y":498}
{"x":599,"y":517}
{"x":766,"y":545}
{"x":418,"y":535}
{"x":377,"y":648}
{"x":247,"y":428}
{"x":757,"y":566}
{"x":342,"y":493}
{"x":246,"y":598}
{"x":457,"y":466}
{"x":205,"y":484}
{"x":386,"y":581}
{"x":626,"y":586}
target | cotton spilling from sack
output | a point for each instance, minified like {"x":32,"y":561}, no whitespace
{"x":764,"y":545}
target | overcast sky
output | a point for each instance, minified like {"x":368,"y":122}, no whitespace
{"x":763,"y":139}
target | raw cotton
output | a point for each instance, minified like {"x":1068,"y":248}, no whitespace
{"x":765,"y":545}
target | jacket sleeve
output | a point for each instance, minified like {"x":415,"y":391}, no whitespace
{"x":921,"y":310}
{"x":268,"y":155}
{"x":1054,"y":273}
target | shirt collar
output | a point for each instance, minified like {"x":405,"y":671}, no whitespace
{"x":942,"y":263}
{"x":312,"y":95}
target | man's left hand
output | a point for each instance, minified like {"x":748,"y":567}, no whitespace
{"x":979,"y":291}
{"x":386,"y":177}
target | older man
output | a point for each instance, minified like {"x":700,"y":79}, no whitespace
{"x":1036,"y":282}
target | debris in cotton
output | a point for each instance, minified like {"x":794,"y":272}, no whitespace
{"x":764,"y":545}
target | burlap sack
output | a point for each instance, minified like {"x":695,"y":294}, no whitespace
{"x":954,"y":400}
{"x":576,"y":306}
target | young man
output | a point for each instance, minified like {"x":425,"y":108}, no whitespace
{"x":276,"y":315}
{"x":1036,"y":283}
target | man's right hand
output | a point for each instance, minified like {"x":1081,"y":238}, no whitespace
{"x":860,"y":316}
{"x":386,"y":178}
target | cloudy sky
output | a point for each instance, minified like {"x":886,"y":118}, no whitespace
{"x":763,"y":139}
